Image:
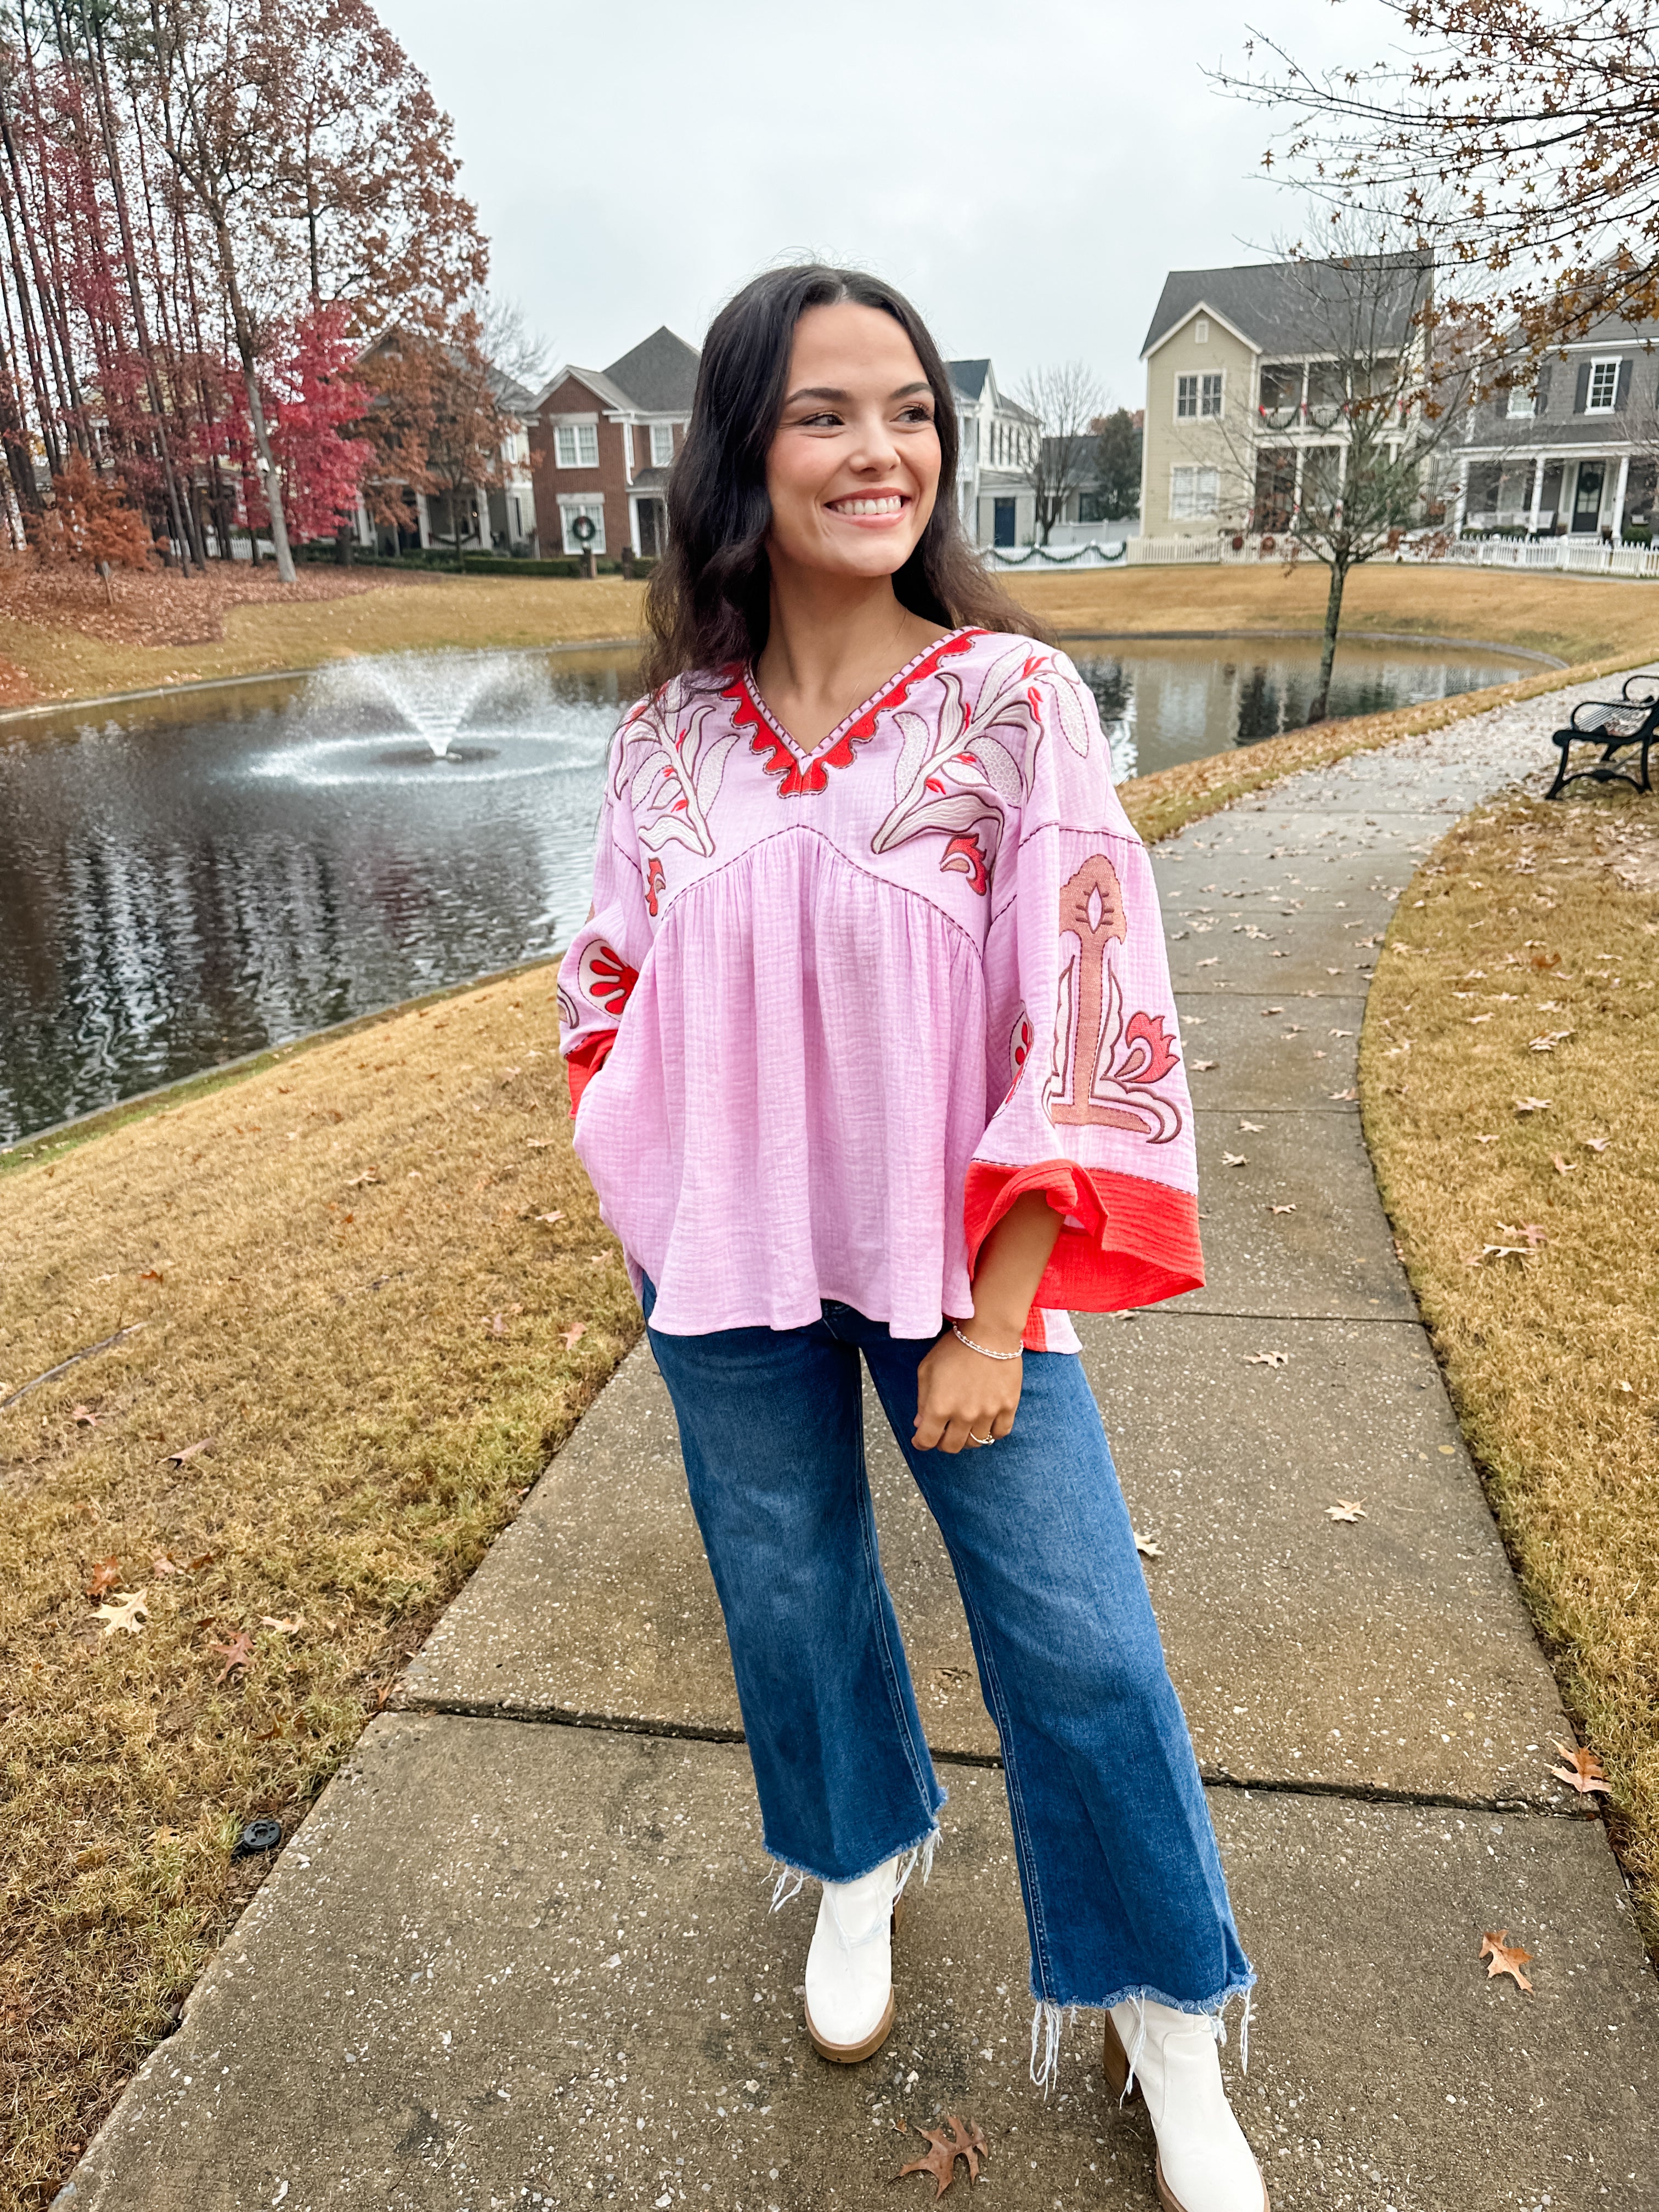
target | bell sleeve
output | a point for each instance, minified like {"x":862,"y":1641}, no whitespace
{"x":1086,"y":1093}
{"x":597,"y":974}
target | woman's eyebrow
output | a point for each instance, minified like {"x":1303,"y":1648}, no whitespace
{"x":832,"y":391}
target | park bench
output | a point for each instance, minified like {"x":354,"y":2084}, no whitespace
{"x":1617,"y":725}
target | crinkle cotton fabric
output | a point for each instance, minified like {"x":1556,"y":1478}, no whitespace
{"x":835,"y":1010}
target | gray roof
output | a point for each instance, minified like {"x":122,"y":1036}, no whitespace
{"x":510,"y":394}
{"x":659,"y":375}
{"x":1296,"y":307}
{"x":969,"y":376}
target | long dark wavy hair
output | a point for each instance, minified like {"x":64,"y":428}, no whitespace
{"x":708,"y":601}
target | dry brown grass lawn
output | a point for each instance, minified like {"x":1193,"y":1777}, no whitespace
{"x":59,"y":651}
{"x":345,"y":1282}
{"x":1576,"y":618}
{"x":1531,"y":1231}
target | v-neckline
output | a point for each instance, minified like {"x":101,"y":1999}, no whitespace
{"x":870,"y":708}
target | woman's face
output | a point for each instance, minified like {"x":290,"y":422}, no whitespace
{"x":854,"y":465}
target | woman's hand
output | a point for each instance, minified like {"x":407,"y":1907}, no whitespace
{"x":964,"y":1398}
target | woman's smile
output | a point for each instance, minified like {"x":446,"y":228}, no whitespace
{"x":868,"y":506}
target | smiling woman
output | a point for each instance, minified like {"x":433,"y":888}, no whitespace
{"x":875,"y":1064}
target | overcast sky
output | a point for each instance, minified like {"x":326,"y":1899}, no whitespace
{"x":1026,"y":170}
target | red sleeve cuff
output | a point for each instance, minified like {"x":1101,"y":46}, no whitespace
{"x":581,"y":1065}
{"x":1135,"y":1242}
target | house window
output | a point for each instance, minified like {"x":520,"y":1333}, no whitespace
{"x":1603,"y":393}
{"x":1522,"y":402}
{"x":1209,"y":396}
{"x":576,"y":446}
{"x":662,"y":445}
{"x":1200,"y":332}
{"x":593,"y":509}
{"x":1186,"y":397}
{"x":1194,"y":492}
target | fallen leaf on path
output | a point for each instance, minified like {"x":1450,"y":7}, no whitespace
{"x":574,"y":1335}
{"x":236,"y":1653}
{"x":1213,"y":962}
{"x":368,"y":1175}
{"x":549,"y":1218}
{"x":1530,"y":1231}
{"x":282,"y":1627}
{"x":84,"y":1417}
{"x":165,"y":1563}
{"x":124,"y":1611}
{"x":1346,"y":1094}
{"x":1266,"y":1010}
{"x":1148,"y":1547}
{"x":150,"y":1275}
{"x":1504,"y":1957}
{"x":186,"y":1451}
{"x":1532,"y":1105}
{"x":1486,"y":1140}
{"x":1254,"y":1127}
{"x":1496,"y":1252}
{"x":1234,"y":1160}
{"x":1285,"y":1209}
{"x":1267,"y":1358}
{"x":105,"y":1576}
{"x":1582,"y":1770}
{"x":955,"y":2138}
{"x":1206,"y":1065}
{"x":1564,"y":1167}
{"x":1597,"y":1143}
{"x":539,"y":1143}
{"x":1347,"y":1509}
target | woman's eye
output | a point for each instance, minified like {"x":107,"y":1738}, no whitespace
{"x":824,"y":421}
{"x":917,"y":413}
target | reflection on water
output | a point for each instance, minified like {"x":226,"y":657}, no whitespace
{"x":188,"y":879}
{"x":1168,"y":702}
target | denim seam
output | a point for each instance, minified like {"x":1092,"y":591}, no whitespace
{"x":872,"y":1569}
{"x":1016,"y":1795}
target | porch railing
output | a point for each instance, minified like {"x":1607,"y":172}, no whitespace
{"x":1581,"y":556}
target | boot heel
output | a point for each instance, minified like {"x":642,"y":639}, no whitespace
{"x":1114,"y":2061}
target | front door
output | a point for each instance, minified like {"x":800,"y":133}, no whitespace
{"x":1587,"y":499}
{"x":1002,"y":522}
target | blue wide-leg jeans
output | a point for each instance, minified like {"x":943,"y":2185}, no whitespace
{"x":1122,"y":1883}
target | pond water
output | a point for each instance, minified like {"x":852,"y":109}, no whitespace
{"x":187,"y":880}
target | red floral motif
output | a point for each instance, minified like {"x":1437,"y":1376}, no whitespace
{"x":964,"y":856}
{"x":800,"y":778}
{"x":653,"y":884}
{"x":607,"y":979}
{"x":1149,"y":1051}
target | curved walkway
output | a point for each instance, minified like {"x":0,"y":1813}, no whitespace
{"x":512,"y":1960}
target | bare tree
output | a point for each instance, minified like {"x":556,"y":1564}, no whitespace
{"x":1516,"y":136}
{"x":1067,"y":400}
{"x":509,"y":343}
{"x":1342,"y":453}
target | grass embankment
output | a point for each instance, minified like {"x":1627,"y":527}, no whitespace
{"x":1575,"y":618}
{"x":59,"y":640}
{"x":1510,"y":1076}
{"x":344,"y":1281}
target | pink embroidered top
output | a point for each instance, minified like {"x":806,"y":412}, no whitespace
{"x":835,"y":1010}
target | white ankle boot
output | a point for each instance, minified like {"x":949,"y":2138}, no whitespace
{"x":1204,"y":2163}
{"x":849,"y":1968}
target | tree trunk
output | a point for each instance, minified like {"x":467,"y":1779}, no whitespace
{"x":244,"y":333}
{"x":1327,"y":651}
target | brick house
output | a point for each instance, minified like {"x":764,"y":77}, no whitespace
{"x":602,"y":441}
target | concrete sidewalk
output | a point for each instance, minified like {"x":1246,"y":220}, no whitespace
{"x":510,"y":1960}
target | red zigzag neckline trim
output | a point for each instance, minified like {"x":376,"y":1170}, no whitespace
{"x":800,"y":778}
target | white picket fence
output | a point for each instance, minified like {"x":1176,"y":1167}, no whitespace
{"x":1589,"y":556}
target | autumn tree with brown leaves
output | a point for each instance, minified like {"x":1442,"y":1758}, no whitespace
{"x":1518,"y":137}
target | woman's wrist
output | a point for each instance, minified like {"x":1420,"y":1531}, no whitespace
{"x":999,"y":1332}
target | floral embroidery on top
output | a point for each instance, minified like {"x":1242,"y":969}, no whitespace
{"x":606,"y":978}
{"x":956,"y":778}
{"x":669,"y":764}
{"x":799,"y":778}
{"x":1105,"y":1066}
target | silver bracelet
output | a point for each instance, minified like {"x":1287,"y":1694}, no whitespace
{"x":983,"y":1352}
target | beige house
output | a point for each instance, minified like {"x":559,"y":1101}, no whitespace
{"x":1242,"y":383}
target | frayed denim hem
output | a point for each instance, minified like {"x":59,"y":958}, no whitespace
{"x":790,"y":1875}
{"x":1048,"y":2018}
